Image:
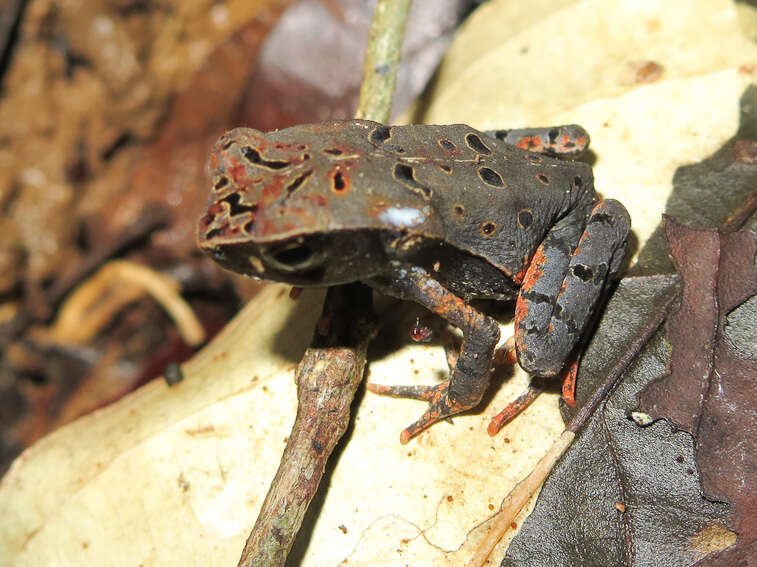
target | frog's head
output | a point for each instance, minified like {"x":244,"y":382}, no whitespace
{"x":284,"y":206}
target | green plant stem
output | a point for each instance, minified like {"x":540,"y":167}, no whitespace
{"x":382,"y":59}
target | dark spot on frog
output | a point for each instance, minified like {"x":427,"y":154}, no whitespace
{"x":459,"y":210}
{"x":381,"y":134}
{"x":538,"y":298}
{"x":338,"y":183}
{"x":584,"y":273}
{"x":447,"y":145}
{"x":543,"y":178}
{"x":317,"y":446}
{"x":253,"y":156}
{"x":476,"y":144}
{"x":405,"y":174}
{"x":213,"y":233}
{"x":227,"y":145}
{"x":533,"y":158}
{"x":488,"y":228}
{"x":382,"y":69}
{"x":297,"y":183}
{"x":249,"y":225}
{"x":525,"y":219}
{"x":552,"y":135}
{"x":490,"y":177}
{"x":601,"y":218}
{"x":222,"y":182}
{"x":577,"y":182}
{"x":445,"y":168}
{"x":333,"y":151}
{"x":236,"y":207}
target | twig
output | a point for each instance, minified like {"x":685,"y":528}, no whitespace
{"x":382,"y":57}
{"x":327,"y":378}
{"x":94,"y":302}
{"x":332,"y":368}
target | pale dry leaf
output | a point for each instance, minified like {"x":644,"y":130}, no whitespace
{"x":176,"y":476}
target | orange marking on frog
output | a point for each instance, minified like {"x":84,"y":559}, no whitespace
{"x":272,"y":189}
{"x":569,"y":383}
{"x":237,"y":171}
{"x":518,"y":278}
{"x":521,"y":310}
{"x":535,"y":270}
{"x":319,"y":200}
{"x":530,"y":143}
{"x":567,"y":142}
{"x":215,"y":209}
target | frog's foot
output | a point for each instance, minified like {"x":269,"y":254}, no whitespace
{"x":440,"y":404}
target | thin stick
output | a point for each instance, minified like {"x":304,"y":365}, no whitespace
{"x":327,"y":378}
{"x":332,"y":368}
{"x":382,"y":58}
{"x":518,"y":497}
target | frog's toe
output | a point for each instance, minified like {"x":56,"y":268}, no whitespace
{"x":514,"y":409}
{"x":426,"y":393}
{"x":440,"y":404}
{"x":438,"y":410}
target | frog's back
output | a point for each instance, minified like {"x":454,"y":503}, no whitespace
{"x":447,"y":183}
{"x":494,"y":200}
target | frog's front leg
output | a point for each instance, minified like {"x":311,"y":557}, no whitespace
{"x":567,"y":142}
{"x":563,"y":285}
{"x":470,"y":376}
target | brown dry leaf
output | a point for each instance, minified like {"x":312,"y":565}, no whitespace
{"x":86,"y":85}
{"x":175,"y":162}
{"x":86,"y":79}
{"x":176,"y":476}
{"x":710,"y":390}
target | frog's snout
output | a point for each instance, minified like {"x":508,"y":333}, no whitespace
{"x":294,"y":256}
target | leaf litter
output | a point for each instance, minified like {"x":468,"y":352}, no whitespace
{"x":679,"y":491}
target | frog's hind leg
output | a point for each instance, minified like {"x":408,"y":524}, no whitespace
{"x":470,"y":376}
{"x":567,"y":142}
{"x":563,"y":286}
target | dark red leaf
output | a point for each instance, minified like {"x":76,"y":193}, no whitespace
{"x":711,"y":388}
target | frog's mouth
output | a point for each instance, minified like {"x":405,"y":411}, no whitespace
{"x":295,"y":256}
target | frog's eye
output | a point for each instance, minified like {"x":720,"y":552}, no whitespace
{"x":293,"y":256}
{"x":296,"y":256}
